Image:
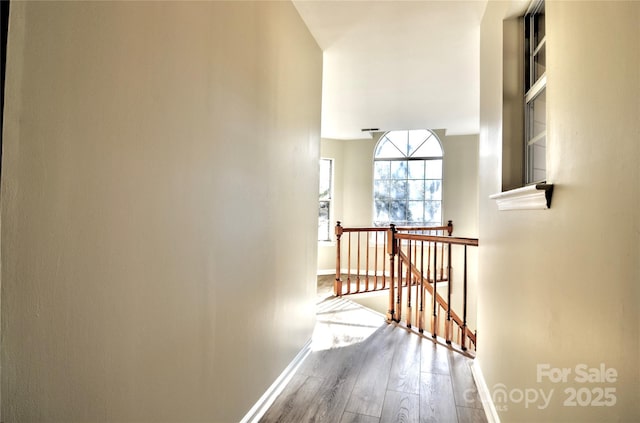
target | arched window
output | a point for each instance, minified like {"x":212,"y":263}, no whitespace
{"x":407,"y":179}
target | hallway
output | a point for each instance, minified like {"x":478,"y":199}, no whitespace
{"x":364,"y":370}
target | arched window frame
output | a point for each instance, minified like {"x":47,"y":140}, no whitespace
{"x":400,"y":187}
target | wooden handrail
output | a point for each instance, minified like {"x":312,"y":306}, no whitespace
{"x":448,"y":228}
{"x":364,"y":229}
{"x":437,"y":238}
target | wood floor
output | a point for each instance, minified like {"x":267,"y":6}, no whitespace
{"x":364,"y":370}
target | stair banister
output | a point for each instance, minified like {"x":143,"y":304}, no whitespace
{"x":436,"y":248}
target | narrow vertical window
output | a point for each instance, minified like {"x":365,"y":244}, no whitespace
{"x":407,"y":179}
{"x":535,"y":94}
{"x":325,"y":198}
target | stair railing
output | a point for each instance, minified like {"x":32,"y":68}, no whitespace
{"x":361,"y":256}
{"x":419,"y":260}
{"x":424,"y":262}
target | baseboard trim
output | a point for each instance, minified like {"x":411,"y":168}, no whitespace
{"x":266,"y":400}
{"x":485,"y":394}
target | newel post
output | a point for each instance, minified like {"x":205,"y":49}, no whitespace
{"x":391,"y":248}
{"x":337,"y":284}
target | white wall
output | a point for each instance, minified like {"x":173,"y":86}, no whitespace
{"x":150,"y":148}
{"x":561,"y":286}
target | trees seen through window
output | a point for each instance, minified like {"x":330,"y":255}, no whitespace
{"x":407,"y":181}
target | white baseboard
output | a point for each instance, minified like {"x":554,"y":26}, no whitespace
{"x":267,"y":399}
{"x":323,"y":272}
{"x":483,"y":391}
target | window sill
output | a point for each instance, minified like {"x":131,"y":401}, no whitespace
{"x":532,"y":197}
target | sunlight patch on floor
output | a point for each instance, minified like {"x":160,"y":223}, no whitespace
{"x":341,"y":323}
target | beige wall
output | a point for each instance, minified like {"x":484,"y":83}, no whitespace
{"x":150,"y":148}
{"x":561,"y":286}
{"x":460,"y":190}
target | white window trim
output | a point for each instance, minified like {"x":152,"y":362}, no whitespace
{"x":331,"y":241}
{"x":537,"y":88}
{"x":536,"y":195}
{"x":408,"y":158}
{"x":531,"y":197}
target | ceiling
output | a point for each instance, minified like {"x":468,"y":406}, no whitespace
{"x":397,"y":64}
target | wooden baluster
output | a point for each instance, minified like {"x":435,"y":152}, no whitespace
{"x":415,"y":254}
{"x":384,"y":262}
{"x":375,"y":265}
{"x":421,"y":284}
{"x":349,"y":264}
{"x":358,"y":266}
{"x":448,"y":328}
{"x":366,"y":278}
{"x":409,"y":309}
{"x":399,"y":277}
{"x":441,"y":322}
{"x":441,"y":268}
{"x":434,"y":317}
{"x":417,"y":284}
{"x":337,"y":285}
{"x":428,"y":260}
{"x":429,"y":272}
{"x":464,"y":304}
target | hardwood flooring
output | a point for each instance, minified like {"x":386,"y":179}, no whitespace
{"x":363,"y":370}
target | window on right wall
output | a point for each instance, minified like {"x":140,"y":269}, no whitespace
{"x":535,"y":82}
{"x":524,"y":126}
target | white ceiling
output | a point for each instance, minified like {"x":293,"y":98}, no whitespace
{"x":397,"y":64}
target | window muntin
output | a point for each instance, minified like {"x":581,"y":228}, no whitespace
{"x":325,"y":196}
{"x":535,"y":95}
{"x":407,"y":180}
